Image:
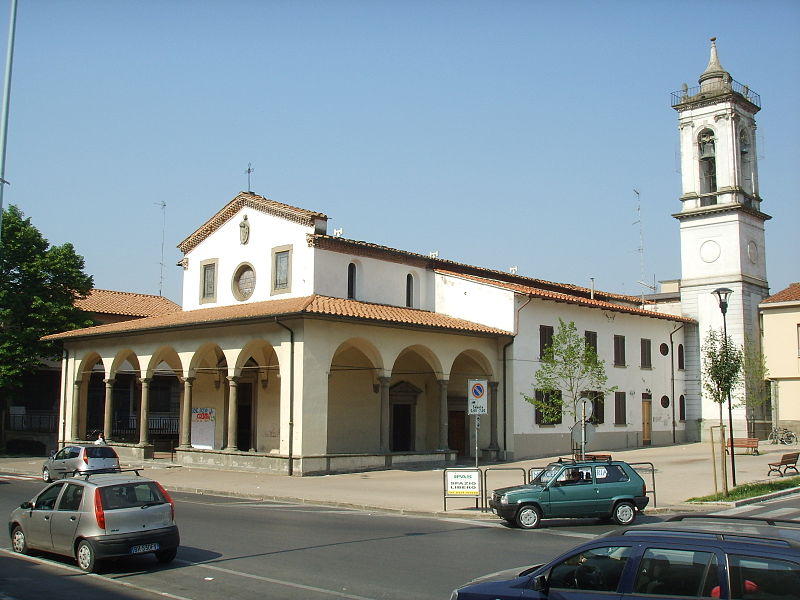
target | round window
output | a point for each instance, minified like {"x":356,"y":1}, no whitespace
{"x":664,"y":402}
{"x":244,"y":282}
{"x":664,"y":349}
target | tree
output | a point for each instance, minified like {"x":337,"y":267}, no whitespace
{"x":569,"y":368}
{"x":722,"y":367}
{"x":755,"y":373}
{"x":39,"y":284}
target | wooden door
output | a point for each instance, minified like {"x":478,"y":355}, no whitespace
{"x":647,"y":419}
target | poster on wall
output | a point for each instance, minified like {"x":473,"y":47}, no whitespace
{"x":204,"y":421}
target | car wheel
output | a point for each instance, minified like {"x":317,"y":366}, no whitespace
{"x":46,"y":475}
{"x":166,"y":556}
{"x":86,"y":556}
{"x":529,"y":517}
{"x":18,"y":542}
{"x":624,"y":513}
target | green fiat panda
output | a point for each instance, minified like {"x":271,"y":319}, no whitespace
{"x":570,"y":489}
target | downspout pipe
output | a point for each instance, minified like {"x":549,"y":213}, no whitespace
{"x":505,"y":375}
{"x":672,"y":377}
{"x":62,"y":409}
{"x":291,"y":395}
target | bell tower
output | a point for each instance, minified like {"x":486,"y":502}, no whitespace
{"x":721,"y":222}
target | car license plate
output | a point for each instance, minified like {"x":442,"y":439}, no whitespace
{"x":144,"y":548}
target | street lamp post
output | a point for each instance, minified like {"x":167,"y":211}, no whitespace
{"x":722,"y":295}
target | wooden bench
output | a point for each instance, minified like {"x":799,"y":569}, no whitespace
{"x":750,"y":444}
{"x":787,"y":461}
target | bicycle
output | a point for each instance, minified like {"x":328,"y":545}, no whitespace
{"x":781,"y":435}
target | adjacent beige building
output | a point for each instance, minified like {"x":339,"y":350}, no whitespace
{"x":780,"y":326}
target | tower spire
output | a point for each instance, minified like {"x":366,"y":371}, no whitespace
{"x":714,"y":75}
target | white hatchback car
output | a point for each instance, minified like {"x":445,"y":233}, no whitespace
{"x":92,"y":517}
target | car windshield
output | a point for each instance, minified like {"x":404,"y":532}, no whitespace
{"x":129,"y":495}
{"x":547,"y":474}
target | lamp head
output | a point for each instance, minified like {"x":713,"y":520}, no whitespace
{"x":722,"y":295}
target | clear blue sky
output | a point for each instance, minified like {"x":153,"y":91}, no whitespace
{"x":499,"y":133}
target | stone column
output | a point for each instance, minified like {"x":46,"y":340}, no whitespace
{"x":231,"y":445}
{"x":384,"y":383}
{"x":109,"y":408}
{"x":76,"y":410}
{"x":144,"y":413}
{"x":444,"y":424}
{"x":186,"y":414}
{"x":493,"y":445}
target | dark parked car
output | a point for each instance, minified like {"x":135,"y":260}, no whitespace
{"x":72,"y":458}
{"x":571,"y":488}
{"x":97,"y":516}
{"x":690,"y":556}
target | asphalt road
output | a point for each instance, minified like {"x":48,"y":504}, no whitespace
{"x":252,"y":549}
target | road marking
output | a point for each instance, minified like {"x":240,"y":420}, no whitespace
{"x":77,"y":571}
{"x":21,"y":477}
{"x":282,"y":582}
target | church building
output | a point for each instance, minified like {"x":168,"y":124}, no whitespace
{"x":301,"y":352}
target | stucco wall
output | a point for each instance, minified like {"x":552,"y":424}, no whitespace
{"x":266,"y":233}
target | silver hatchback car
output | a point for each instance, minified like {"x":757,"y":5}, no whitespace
{"x":77,"y":458}
{"x":92,"y":517}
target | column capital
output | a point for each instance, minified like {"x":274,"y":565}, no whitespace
{"x":109,"y":381}
{"x":145,"y":380}
{"x":384,"y":380}
{"x":233,"y":379}
{"x":189,"y":380}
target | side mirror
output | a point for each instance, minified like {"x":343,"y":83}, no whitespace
{"x":26,"y":505}
{"x":540,"y":583}
{"x":52,"y":454}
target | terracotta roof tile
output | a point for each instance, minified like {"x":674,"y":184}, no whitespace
{"x":126,"y":303}
{"x":338,"y":308}
{"x":790,"y":294}
{"x":256,"y":202}
{"x":359,"y":248}
{"x":571,"y":299}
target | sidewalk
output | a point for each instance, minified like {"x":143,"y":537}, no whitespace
{"x":681,"y":472}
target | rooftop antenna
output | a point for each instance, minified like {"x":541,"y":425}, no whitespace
{"x":338,"y":232}
{"x":640,"y":249}
{"x":433,"y":254}
{"x":248,"y":171}
{"x":513,"y":270}
{"x":163,"y":206}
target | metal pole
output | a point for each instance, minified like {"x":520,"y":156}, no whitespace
{"x":730,"y":412}
{"x":12,"y":26}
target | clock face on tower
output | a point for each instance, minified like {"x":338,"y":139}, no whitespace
{"x":710,"y":251}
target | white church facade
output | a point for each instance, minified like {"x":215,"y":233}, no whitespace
{"x":301,"y":352}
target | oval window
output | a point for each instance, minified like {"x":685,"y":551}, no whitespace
{"x":664,"y":349}
{"x":244,"y":282}
{"x":664,"y":402}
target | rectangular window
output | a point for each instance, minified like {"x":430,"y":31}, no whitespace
{"x":545,"y":338}
{"x":682,"y":408}
{"x":591,"y":340}
{"x":208,"y":281}
{"x":281,"y":270}
{"x":619,"y":408}
{"x":619,"y":350}
{"x":549,"y":398}
{"x":647,"y":360}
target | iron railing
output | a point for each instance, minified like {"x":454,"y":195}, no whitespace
{"x":696,"y":93}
